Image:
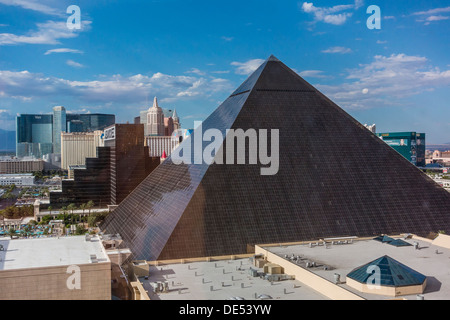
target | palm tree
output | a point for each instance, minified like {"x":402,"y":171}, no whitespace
{"x":27,"y":231}
{"x":64,"y":211}
{"x":83,"y":207}
{"x":11,"y":232}
{"x":71,"y":207}
{"x":89,"y":205}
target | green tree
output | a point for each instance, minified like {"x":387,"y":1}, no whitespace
{"x":11,"y":232}
{"x":96,"y":218}
{"x":90,"y":205}
{"x":47,"y":219}
{"x":38,"y":175}
{"x":71,"y":207}
{"x":83,"y":207}
{"x":64,"y":213}
{"x":80,"y":230}
{"x":26,"y":231}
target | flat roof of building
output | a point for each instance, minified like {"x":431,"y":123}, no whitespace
{"x":343,"y":258}
{"x":49,"y":252}
{"x":15,"y":175}
{"x":193,"y":281}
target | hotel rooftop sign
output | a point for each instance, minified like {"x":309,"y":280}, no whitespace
{"x":110,"y":133}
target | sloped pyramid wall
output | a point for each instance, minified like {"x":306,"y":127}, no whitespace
{"x":335,"y":178}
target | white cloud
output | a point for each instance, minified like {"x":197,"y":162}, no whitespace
{"x":432,"y":11}
{"x":386,"y":80}
{"x":82,"y":110}
{"x":117,"y":88}
{"x":74,"y":64}
{"x":63,"y":50}
{"x":228,"y":39}
{"x":196,"y":71}
{"x":331,"y":15}
{"x":48,"y":33}
{"x":312,"y":74}
{"x":433,"y":15}
{"x":34,"y":5}
{"x":221,"y":72}
{"x":341,"y":50}
{"x":246,"y":68}
{"x":358,"y":4}
{"x":437,"y":18}
{"x":381,"y":42}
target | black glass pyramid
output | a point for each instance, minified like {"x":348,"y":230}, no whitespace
{"x":335,"y":178}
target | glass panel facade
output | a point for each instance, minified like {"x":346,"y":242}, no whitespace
{"x":108,"y":179}
{"x":59,"y":125}
{"x":42,"y":133}
{"x":34,"y":135}
{"x":38,"y":135}
{"x":335,"y":178}
{"x":92,"y":183}
{"x":392,"y":273}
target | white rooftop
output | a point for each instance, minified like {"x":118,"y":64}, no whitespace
{"x":48,"y":252}
{"x":343,"y":258}
{"x":228,"y":279}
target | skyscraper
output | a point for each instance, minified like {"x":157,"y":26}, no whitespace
{"x":335,"y":178}
{"x":411,"y":145}
{"x":111,"y":176}
{"x":59,"y":125}
{"x":35,"y":133}
{"x":155,"y":120}
{"x":77,"y":146}
{"x":89,"y":122}
{"x":152,"y":118}
{"x":130,"y":161}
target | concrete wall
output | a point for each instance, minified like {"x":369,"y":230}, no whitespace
{"x":310,"y":279}
{"x":442,"y":241}
{"x":139,"y":293}
{"x":207,"y":259}
{"x":386,"y":291}
{"x":50,"y":283}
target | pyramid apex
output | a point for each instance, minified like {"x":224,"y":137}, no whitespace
{"x":273,"y":58}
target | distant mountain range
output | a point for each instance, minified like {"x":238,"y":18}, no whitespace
{"x":440,"y":147}
{"x":7,"y":140}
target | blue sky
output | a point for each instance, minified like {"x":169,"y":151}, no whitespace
{"x":193,"y":54}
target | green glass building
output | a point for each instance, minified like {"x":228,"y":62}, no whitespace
{"x":38,"y":135}
{"x":411,"y":145}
